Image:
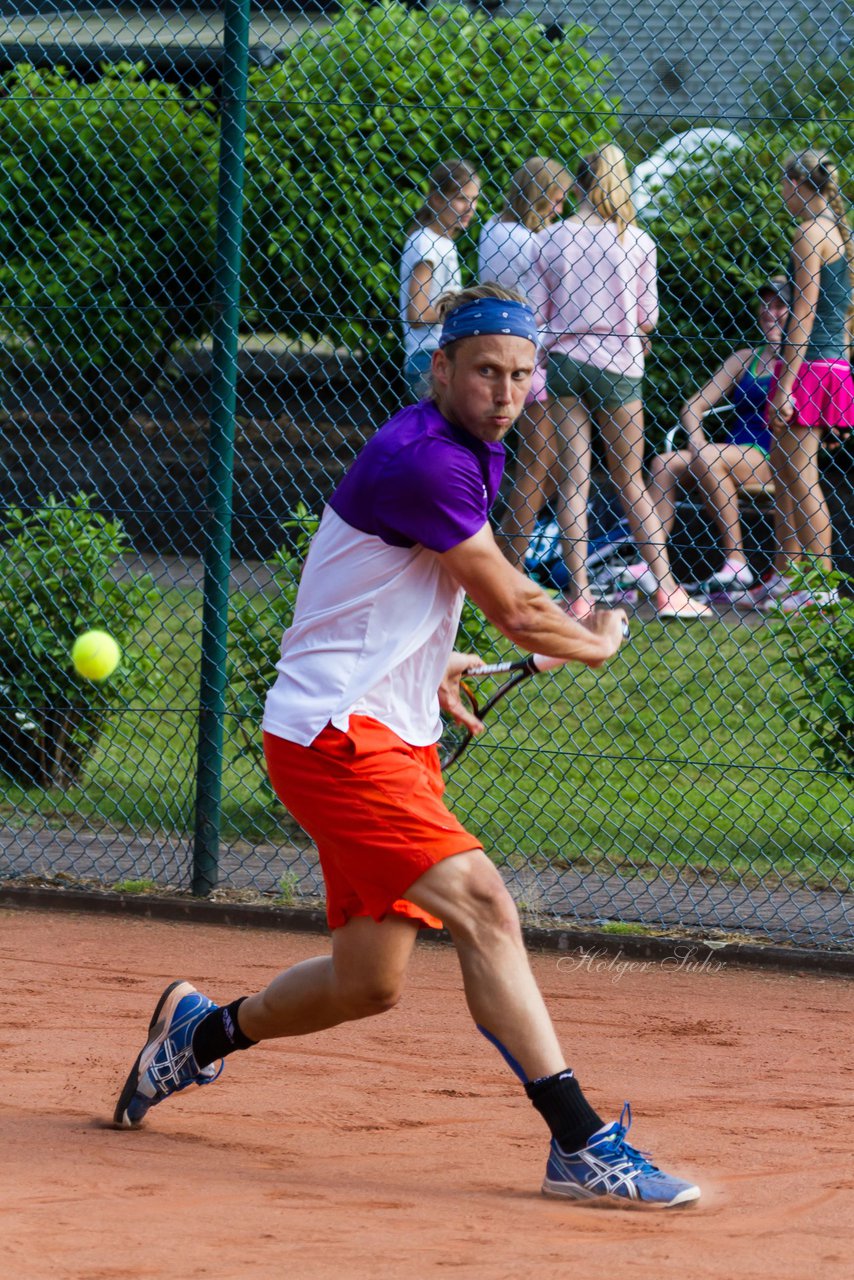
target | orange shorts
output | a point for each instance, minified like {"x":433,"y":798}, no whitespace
{"x":373,"y":806}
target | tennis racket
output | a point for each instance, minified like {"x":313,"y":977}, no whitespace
{"x":457,"y":737}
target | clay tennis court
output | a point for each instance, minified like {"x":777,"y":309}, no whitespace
{"x":401,"y":1147}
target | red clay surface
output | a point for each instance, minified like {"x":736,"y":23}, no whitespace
{"x":401,"y":1147}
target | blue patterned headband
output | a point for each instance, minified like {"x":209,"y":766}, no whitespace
{"x":488,"y":316}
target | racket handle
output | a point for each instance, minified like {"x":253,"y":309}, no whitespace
{"x":541,"y":663}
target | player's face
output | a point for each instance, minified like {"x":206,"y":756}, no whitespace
{"x":483,"y":388}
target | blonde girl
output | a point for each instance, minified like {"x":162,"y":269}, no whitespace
{"x":598,"y":273}
{"x":430,"y":265}
{"x":508,"y":246}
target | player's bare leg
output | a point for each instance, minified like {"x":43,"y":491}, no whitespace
{"x":363,"y":976}
{"x":588,"y":1160}
{"x":469,"y":896}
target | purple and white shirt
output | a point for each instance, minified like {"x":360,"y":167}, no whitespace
{"x":376,"y":614}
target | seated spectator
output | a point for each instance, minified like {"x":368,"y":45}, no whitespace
{"x":720,"y":470}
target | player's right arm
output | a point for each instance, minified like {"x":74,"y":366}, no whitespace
{"x":523,"y":612}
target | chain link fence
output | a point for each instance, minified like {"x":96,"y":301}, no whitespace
{"x":223,"y":239}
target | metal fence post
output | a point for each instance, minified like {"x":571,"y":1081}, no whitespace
{"x":217,"y":550}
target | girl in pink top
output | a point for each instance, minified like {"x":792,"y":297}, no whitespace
{"x":598,"y":273}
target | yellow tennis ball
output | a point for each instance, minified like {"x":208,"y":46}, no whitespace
{"x":95,"y":655}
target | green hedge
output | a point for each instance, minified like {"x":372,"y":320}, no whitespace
{"x":107,"y":215}
{"x":107,"y":190}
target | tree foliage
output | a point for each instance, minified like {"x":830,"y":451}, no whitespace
{"x":345,"y":129}
{"x":107,"y":214}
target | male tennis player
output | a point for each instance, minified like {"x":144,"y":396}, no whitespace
{"x":350,"y":729}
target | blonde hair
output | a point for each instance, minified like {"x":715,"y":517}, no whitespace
{"x":603,"y":178}
{"x":446,"y":179}
{"x":453,"y":300}
{"x":533,"y":190}
{"x":817,"y":170}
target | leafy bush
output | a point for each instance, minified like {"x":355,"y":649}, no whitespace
{"x":344,"y":130}
{"x":256,"y":622}
{"x":820,"y":646}
{"x":57,"y":579}
{"x":107,"y":214}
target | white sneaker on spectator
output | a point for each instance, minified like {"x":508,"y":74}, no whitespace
{"x":638,"y":577}
{"x":771,"y":588}
{"x":733,"y":575}
{"x":798,"y":601}
{"x":680,"y":605}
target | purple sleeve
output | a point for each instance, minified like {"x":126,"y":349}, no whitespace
{"x":434,"y":496}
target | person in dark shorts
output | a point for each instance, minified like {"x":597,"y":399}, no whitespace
{"x":598,"y":276}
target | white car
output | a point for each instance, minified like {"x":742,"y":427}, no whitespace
{"x":684,"y":153}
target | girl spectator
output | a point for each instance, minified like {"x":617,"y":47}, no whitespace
{"x":430,"y":265}
{"x":506,"y":253}
{"x":598,"y":271}
{"x":719,"y":470}
{"x":813,"y":396}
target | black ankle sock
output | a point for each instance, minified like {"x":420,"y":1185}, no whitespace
{"x":218,"y":1034}
{"x":565,"y":1109}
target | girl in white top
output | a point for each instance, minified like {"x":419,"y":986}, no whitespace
{"x":507,"y":253}
{"x":598,"y":271}
{"x":430,"y":265}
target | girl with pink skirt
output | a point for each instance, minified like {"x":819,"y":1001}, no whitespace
{"x":812,"y":395}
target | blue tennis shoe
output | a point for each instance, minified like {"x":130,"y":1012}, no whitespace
{"x":166,"y":1064}
{"x":609,"y":1170}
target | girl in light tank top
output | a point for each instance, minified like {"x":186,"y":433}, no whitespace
{"x":430,"y":266}
{"x":813,"y":393}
